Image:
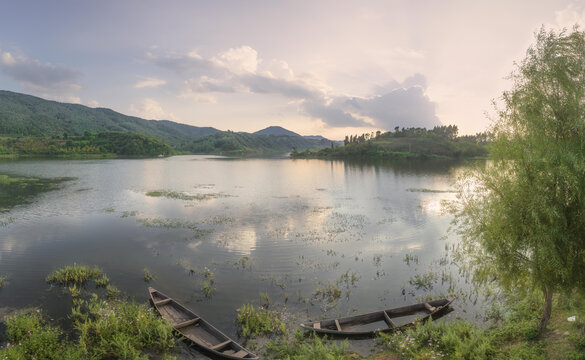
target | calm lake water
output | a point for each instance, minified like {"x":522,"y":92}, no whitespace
{"x":282,"y":227}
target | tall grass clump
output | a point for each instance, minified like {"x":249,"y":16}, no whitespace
{"x":31,"y":337}
{"x":301,"y":348}
{"x":121,"y":330}
{"x":254,"y":321}
{"x":78,"y":275}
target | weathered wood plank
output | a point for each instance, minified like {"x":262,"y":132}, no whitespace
{"x":186,"y":323}
{"x":337,"y":325}
{"x":162,"y":302}
{"x":429,"y":307}
{"x":220,"y":345}
{"x":389,"y":321}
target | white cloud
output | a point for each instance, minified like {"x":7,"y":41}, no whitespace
{"x":44,"y":79}
{"x":239,"y":60}
{"x":403,"y":104}
{"x":149,"y":82}
{"x":570,"y":16}
{"x":152,"y":110}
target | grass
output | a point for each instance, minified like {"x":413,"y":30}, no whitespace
{"x":301,"y":348}
{"x":3,"y":281}
{"x":254,"y":321}
{"x":512,"y":336}
{"x":78,"y":275}
{"x":148,"y":277}
{"x":424,"y":281}
{"x":102,"y":329}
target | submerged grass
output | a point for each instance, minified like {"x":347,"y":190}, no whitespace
{"x":16,"y":190}
{"x":184,"y":196}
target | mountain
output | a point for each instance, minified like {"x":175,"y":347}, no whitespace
{"x":27,"y":115}
{"x":245,"y":144}
{"x":276,"y":130}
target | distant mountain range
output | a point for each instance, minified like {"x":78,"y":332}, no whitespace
{"x":30,"y":116}
{"x":276,"y":130}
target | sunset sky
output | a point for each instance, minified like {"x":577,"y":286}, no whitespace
{"x":314,"y":67}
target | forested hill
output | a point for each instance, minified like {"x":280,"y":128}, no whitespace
{"x":245,"y":144}
{"x":26,"y":115}
{"x":439,"y":142}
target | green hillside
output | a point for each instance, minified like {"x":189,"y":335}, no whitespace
{"x":439,"y":142}
{"x":104,"y":144}
{"x":25,"y":115}
{"x":245,"y":144}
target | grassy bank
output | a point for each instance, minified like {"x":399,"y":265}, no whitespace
{"x":105,"y":327}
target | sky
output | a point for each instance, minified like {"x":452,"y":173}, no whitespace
{"x":330,"y":68}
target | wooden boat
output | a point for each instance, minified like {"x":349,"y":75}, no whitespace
{"x":196,"y":329}
{"x":370,"y":324}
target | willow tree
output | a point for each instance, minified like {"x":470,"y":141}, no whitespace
{"x":522,"y":216}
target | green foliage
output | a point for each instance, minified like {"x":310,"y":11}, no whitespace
{"x":300,"y":348}
{"x":121,"y":330}
{"x":147,"y":275}
{"x":104,"y":144}
{"x":131,"y":144}
{"x":30,"y":337}
{"x":244,"y":144}
{"x":24,"y":115}
{"x":78,"y":275}
{"x":254,"y":321}
{"x":440,"y":142}
{"x":522,"y":215}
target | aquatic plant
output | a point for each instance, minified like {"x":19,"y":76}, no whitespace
{"x":207,"y":288}
{"x":254,"y":321}
{"x":424,"y":281}
{"x":184,"y":196}
{"x":147,"y":275}
{"x":79,"y":275}
{"x":329,"y":292}
{"x":3,"y":281}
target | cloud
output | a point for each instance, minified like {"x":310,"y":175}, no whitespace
{"x":241,"y":70}
{"x":192,"y":63}
{"x":38,"y":77}
{"x":570,"y":16}
{"x":151,"y":109}
{"x":149,"y":82}
{"x":404,"y":107}
{"x":331,"y":116}
{"x":239,"y":60}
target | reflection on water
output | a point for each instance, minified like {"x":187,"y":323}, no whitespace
{"x":277,"y":226}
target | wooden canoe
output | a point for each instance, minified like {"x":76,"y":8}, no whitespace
{"x":370,"y":324}
{"x":196,"y":329}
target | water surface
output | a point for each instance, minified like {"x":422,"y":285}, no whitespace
{"x":294,"y":230}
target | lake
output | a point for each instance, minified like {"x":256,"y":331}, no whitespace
{"x":323,"y":238}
